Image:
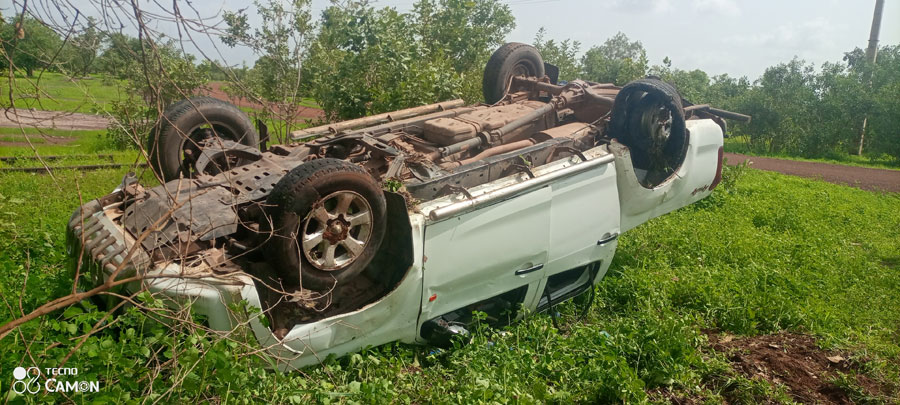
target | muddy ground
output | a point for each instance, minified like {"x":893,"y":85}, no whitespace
{"x":810,"y":374}
{"x":215,"y":90}
{"x":859,"y":177}
{"x":16,"y":117}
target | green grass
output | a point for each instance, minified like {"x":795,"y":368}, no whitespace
{"x":57,"y":92}
{"x":90,"y":143}
{"x":739,"y":144}
{"x":765,"y":253}
{"x":62,"y":142}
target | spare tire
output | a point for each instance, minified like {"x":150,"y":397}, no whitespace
{"x":648,"y":118}
{"x":174,"y":141}
{"x":326,"y":220}
{"x":512,"y":59}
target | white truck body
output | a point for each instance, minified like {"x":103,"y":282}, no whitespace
{"x":514,"y":233}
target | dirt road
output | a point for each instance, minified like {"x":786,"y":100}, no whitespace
{"x":859,"y":177}
{"x":215,"y":90}
{"x":13,"y":118}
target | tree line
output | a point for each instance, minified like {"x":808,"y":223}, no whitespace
{"x":356,"y":59}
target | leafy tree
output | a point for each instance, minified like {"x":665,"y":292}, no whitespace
{"x":619,"y":60}
{"x":783,"y":108}
{"x":82,"y":49}
{"x":154,"y":75}
{"x":281,"y":41}
{"x":366,"y":60}
{"x":879,"y":84}
{"x":562,"y":54}
{"x":465,"y":31}
{"x":119,"y":50}
{"x":725,"y":91}
{"x":693,"y":85}
{"x":28,"y":44}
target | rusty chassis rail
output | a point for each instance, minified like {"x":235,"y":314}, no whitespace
{"x":375,"y":119}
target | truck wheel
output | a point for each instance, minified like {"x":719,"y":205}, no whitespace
{"x":648,"y":118}
{"x":327,"y":220}
{"x":174,"y":143}
{"x":512,"y":59}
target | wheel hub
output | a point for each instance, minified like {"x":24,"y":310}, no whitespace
{"x":336,"y":230}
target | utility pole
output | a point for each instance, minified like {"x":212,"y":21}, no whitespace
{"x":871,"y":57}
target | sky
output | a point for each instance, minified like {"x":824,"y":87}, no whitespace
{"x":740,"y":38}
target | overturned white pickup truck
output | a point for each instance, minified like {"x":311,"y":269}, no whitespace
{"x":399,"y":226}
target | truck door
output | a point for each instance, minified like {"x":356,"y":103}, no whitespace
{"x":584,"y":219}
{"x":485,"y":252}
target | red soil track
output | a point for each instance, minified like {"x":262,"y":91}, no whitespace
{"x":215,"y":90}
{"x":859,"y":177}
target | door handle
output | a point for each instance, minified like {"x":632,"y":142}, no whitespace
{"x":608,"y":238}
{"x":522,"y":272}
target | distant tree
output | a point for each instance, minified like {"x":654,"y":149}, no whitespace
{"x":154,"y":74}
{"x":215,"y":70}
{"x":693,"y":85}
{"x":725,"y":91}
{"x":879,"y":85}
{"x":563,"y":54}
{"x":28,"y":44}
{"x":619,"y":60}
{"x":366,"y":60}
{"x":281,"y":42}
{"x":783,"y":105}
{"x":158,"y":71}
{"x":118,"y":52}
{"x":83,"y":48}
{"x":465,"y":31}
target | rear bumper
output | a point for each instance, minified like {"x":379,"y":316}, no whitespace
{"x":98,"y":246}
{"x":101,"y":246}
{"x":100,"y":249}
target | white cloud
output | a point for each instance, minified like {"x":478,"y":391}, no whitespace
{"x":653,"y":6}
{"x":724,"y":7}
{"x":815,"y":34}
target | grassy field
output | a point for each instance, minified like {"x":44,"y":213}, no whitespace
{"x":75,"y":148}
{"x":57,"y":92}
{"x":739,"y":144}
{"x":765,"y":253}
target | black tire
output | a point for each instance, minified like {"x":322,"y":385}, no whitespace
{"x":660,"y":157}
{"x":291,"y":212}
{"x":189,"y":121}
{"x":509,"y":60}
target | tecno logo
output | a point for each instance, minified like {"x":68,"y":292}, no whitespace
{"x":27,"y":381}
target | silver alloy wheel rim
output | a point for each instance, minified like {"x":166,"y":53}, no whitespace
{"x":336,"y":230}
